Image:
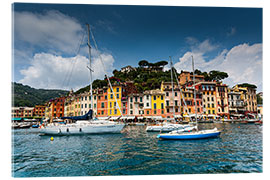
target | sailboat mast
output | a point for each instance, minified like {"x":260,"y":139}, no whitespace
{"x":90,"y":66}
{"x":194,"y":89}
{"x":172,"y":87}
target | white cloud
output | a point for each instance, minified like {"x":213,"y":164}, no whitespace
{"x":52,"y":30}
{"x":243,"y":63}
{"x":53,"y":72}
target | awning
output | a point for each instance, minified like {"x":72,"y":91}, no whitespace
{"x":178,"y":116}
{"x":114,"y":117}
{"x":16,"y":119}
{"x":103,"y":118}
{"x":140,"y":117}
{"x":237,"y":115}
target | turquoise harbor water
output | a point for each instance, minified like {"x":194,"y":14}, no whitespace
{"x":136,"y":152}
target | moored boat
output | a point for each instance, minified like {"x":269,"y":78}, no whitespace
{"x":203,"y":134}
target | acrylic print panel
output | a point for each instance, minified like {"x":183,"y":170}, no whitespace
{"x":93,"y":100}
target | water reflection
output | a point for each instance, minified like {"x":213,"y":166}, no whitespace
{"x":137,"y":152}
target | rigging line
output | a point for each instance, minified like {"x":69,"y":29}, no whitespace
{"x":106,"y":74}
{"x":69,"y":73}
{"x":181,"y":93}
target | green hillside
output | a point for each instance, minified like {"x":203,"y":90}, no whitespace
{"x":23,"y":95}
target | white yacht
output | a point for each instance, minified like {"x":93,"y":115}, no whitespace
{"x":84,"y":124}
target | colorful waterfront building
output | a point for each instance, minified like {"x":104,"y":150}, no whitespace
{"x":147,"y":104}
{"x":209,"y":100}
{"x":222,"y":100}
{"x":136,"y":104}
{"x":172,"y":99}
{"x":115,"y":102}
{"x":248,"y":95}
{"x":186,"y":77}
{"x":22,"y":112}
{"x":69,"y":106}
{"x":102,"y":102}
{"x":157,"y":102}
{"x":57,"y":107}
{"x":39,"y":110}
{"x":236,"y":104}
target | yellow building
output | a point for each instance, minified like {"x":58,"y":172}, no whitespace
{"x":113,"y":103}
{"x":157,"y":103}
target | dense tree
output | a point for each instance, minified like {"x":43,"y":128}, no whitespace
{"x":259,"y":99}
{"x":247,"y":85}
{"x":217,"y":75}
{"x":143,"y":63}
{"x":23,"y":95}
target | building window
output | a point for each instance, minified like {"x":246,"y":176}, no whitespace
{"x":155,"y":97}
{"x":175,"y":94}
{"x":95,"y":105}
{"x":147,"y":112}
{"x":161,"y":97}
{"x":155,"y":112}
{"x":147,"y":97}
{"x":131,"y":112}
{"x":131,"y":99}
{"x":131,"y":107}
{"x":95,"y":97}
{"x":110,"y":104}
{"x":213,"y":105}
{"x":175,"y":102}
{"x":117,"y":89}
{"x":124,"y":111}
{"x":102,"y":105}
{"x":85,"y":105}
{"x":213,"y":111}
{"x":167,"y":103}
{"x":111,"y":96}
{"x":167,"y":93}
{"x":155,"y":106}
{"x":140,"y":99}
{"x":115,"y":111}
{"x":147,"y":104}
{"x":162,"y":111}
{"x":117,"y":96}
{"x":110,"y":111}
{"x":162,"y":106}
{"x":105,"y":97}
{"x":136,"y":99}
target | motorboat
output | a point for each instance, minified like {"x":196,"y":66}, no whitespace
{"x":166,"y":127}
{"x":183,"y":135}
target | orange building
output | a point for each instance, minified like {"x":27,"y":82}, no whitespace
{"x":57,"y":107}
{"x":39,"y":110}
{"x":186,"y":77}
{"x":102,"y":102}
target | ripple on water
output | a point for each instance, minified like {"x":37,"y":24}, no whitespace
{"x":136,"y":152}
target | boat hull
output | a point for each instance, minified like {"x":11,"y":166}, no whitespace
{"x":81,"y":130}
{"x":166,"y":128}
{"x":189,"y":136}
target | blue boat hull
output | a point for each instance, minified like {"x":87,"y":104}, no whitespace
{"x":188,"y":137}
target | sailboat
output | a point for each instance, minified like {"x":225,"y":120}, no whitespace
{"x":188,"y":135}
{"x":84,"y":124}
{"x":167,"y":127}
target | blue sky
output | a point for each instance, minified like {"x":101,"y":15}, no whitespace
{"x":46,"y":37}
